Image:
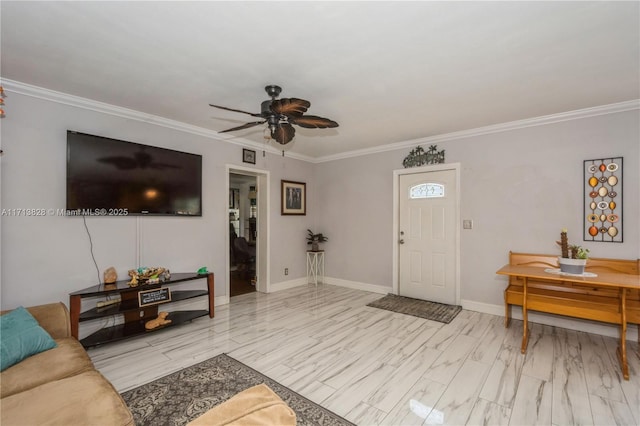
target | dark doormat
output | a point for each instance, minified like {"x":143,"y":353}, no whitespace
{"x":418,"y":308}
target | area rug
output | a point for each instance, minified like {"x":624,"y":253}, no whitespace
{"x":418,"y":308}
{"x":180,"y":397}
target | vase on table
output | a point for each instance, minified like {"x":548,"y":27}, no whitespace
{"x":572,"y":266}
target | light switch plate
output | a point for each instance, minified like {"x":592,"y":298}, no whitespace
{"x":467,"y":224}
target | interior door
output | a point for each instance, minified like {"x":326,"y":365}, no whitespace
{"x":427,"y":236}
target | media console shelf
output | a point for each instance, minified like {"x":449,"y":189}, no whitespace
{"x":135,"y":316}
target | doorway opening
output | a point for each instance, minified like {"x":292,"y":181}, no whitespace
{"x":247,"y":222}
{"x":243,"y":233}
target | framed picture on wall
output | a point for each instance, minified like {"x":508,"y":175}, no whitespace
{"x":248,"y":156}
{"x":293,"y":198}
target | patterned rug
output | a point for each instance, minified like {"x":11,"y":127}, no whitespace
{"x":418,"y":308}
{"x":180,"y":397}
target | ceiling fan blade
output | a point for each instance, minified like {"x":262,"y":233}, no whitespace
{"x":313,"y":122}
{"x":284,"y":133}
{"x":236,"y":110}
{"x":244,"y":126}
{"x":291,"y":107}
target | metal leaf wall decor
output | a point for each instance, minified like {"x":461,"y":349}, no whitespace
{"x":419,"y":157}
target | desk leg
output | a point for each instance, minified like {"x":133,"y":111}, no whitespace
{"x":525,"y":320}
{"x":507,"y":311}
{"x":622,"y":349}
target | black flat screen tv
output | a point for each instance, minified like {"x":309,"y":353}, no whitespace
{"x":113,"y":177}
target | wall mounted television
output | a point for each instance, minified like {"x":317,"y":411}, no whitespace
{"x":125,"y":178}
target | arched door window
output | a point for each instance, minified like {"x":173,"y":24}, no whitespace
{"x":426,"y":190}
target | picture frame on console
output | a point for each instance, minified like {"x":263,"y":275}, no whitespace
{"x":293,"y":198}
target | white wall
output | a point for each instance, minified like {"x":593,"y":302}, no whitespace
{"x":520,"y":188}
{"x":45,"y":258}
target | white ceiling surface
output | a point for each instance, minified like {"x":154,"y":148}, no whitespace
{"x":387,"y":72}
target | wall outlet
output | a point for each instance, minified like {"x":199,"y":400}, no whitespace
{"x":286,"y":271}
{"x":467,"y":224}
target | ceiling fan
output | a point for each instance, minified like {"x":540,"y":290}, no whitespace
{"x":280,"y":114}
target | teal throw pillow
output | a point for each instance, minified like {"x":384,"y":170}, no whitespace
{"x":20,"y":337}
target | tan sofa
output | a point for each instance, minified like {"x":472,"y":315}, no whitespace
{"x":59,"y":386}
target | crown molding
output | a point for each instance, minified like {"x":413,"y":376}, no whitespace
{"x":496,"y":128}
{"x":89,"y":104}
{"x":130,"y":114}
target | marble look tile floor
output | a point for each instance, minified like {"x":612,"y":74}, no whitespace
{"x":377,"y":367}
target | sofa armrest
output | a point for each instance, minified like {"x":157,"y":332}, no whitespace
{"x":54,"y":318}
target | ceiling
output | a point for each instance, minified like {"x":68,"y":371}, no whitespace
{"x":387,"y":72}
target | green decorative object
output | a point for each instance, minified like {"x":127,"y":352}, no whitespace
{"x":202,"y":271}
{"x":419,"y":157}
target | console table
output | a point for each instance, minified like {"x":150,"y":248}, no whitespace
{"x":608,"y":297}
{"x":315,"y":265}
{"x":135,"y":316}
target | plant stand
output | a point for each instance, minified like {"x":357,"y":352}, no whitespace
{"x":315,"y":266}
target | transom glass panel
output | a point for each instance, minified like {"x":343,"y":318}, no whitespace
{"x":426,"y":190}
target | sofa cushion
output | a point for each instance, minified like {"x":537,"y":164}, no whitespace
{"x":21,"y":337}
{"x":256,"y":406}
{"x":85,"y":399}
{"x":67,"y":359}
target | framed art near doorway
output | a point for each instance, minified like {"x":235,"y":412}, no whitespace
{"x":293,"y":198}
{"x":248,"y":156}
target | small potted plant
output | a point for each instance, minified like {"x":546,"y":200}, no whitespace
{"x":315,"y":240}
{"x":575,"y":262}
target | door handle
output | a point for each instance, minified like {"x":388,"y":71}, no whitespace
{"x":401,"y":241}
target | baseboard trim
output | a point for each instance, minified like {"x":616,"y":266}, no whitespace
{"x":285,"y":285}
{"x":485,"y":308}
{"x":358,"y":285}
{"x":576,"y":324}
{"x":220,"y":300}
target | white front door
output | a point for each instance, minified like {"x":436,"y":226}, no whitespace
{"x":427,"y":235}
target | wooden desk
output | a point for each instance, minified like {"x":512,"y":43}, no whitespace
{"x":587,"y":306}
